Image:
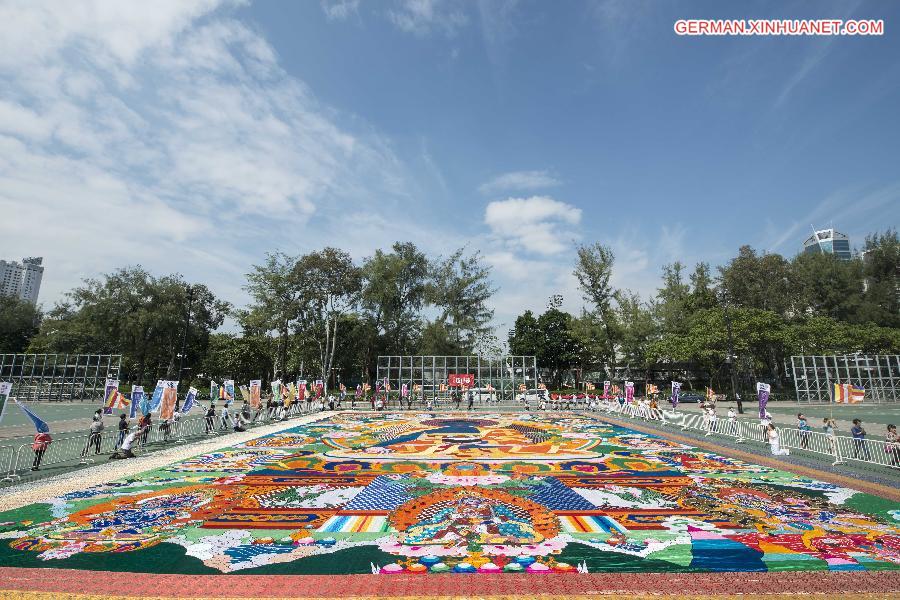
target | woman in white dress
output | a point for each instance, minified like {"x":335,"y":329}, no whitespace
{"x":775,"y":441}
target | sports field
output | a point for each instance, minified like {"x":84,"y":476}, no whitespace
{"x":430,"y":494}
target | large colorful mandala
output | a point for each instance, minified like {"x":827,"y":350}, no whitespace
{"x":427,"y":493}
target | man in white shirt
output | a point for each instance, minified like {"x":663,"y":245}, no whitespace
{"x":124,"y":450}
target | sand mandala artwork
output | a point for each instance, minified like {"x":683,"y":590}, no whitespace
{"x":427,"y":493}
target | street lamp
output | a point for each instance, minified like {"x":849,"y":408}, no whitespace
{"x":730,"y":358}
{"x":187,"y":326}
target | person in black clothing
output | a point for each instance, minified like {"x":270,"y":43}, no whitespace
{"x":471,"y":396}
{"x":211,"y":417}
{"x":123,"y":429}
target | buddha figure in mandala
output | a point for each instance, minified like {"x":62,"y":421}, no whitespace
{"x":473,"y":519}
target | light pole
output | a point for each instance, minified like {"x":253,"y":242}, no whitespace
{"x":730,"y":358}
{"x":187,"y":326}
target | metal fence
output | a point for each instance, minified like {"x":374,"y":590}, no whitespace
{"x":59,"y":376}
{"x":814,"y":376}
{"x":839,"y":449}
{"x":504,"y":374}
{"x":85,"y":448}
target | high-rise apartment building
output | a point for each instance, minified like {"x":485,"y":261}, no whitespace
{"x":22,"y":279}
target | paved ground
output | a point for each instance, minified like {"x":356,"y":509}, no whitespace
{"x":109,"y":585}
{"x":875,"y":417}
{"x":878,"y":480}
{"x":63,"y":417}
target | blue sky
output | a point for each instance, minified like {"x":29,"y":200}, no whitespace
{"x":196,"y":136}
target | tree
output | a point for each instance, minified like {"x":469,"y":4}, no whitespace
{"x":140,"y":316}
{"x":19,"y":322}
{"x":828,"y":286}
{"x":762,"y":282}
{"x":703,"y":293}
{"x":593,"y":270}
{"x":525,"y":335}
{"x":276,"y":306}
{"x":673,"y":300}
{"x":636,"y":328}
{"x":242,"y":357}
{"x":460,"y":288}
{"x":881,"y":268}
{"x":330,"y":285}
{"x":557,"y":349}
{"x":394,"y":291}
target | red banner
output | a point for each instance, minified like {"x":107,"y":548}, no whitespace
{"x":460,"y":380}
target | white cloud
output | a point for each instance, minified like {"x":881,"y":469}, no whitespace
{"x":519,"y":181}
{"x":167,"y":134}
{"x":421,"y":17}
{"x":340,"y":10}
{"x":537,"y":224}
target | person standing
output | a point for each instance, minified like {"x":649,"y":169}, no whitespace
{"x":471,"y":398}
{"x":211,"y":418}
{"x":42,"y":441}
{"x":94,"y":434}
{"x":145,"y":424}
{"x":226,"y":418}
{"x":803,"y":427}
{"x":831,"y":433}
{"x":892,"y":445}
{"x":123,"y":429}
{"x":860,"y":449}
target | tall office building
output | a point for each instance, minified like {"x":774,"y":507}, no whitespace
{"x":23,"y":279}
{"x":828,"y":241}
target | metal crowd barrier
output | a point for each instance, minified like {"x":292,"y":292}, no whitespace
{"x":83,"y":447}
{"x":838,"y":448}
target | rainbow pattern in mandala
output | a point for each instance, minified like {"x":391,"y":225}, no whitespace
{"x":429,"y":493}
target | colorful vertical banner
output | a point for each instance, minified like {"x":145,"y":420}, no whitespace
{"x":145,"y":404}
{"x":5,"y":391}
{"x":301,"y":390}
{"x":276,"y":390}
{"x":676,"y":392}
{"x":137,"y":398}
{"x":245,"y":393}
{"x":110,"y":393}
{"x":156,"y":398}
{"x":404,"y":391}
{"x":229,"y":390}
{"x":762,"y":394}
{"x":359,"y":390}
{"x":629,"y":391}
{"x":292,"y":394}
{"x":213,"y":391}
{"x":320,"y":388}
{"x":168,"y":400}
{"x":117,"y":400}
{"x":255,"y":391}
{"x":606,"y":386}
{"x":189,"y":400}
